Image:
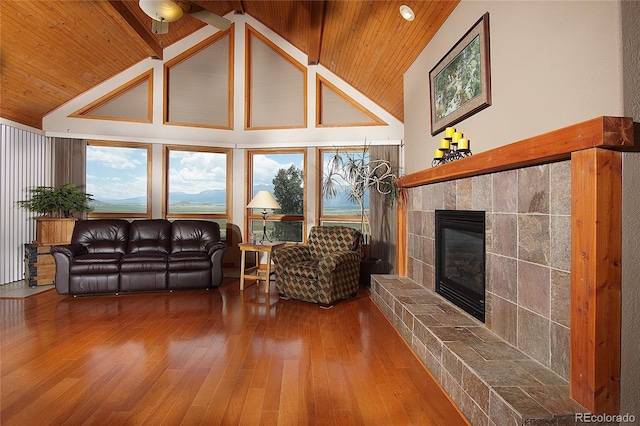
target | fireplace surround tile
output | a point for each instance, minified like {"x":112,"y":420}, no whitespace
{"x":500,"y":280}
{"x":505,"y":192}
{"x":560,"y":242}
{"x":533,"y":189}
{"x":561,"y":297}
{"x":505,"y":234}
{"x":560,"y":188}
{"x":533,"y":238}
{"x":534,"y":287}
{"x":492,"y":382}
{"x":463,"y":195}
{"x":533,"y":335}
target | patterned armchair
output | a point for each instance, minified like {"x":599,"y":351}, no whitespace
{"x":325,"y":270}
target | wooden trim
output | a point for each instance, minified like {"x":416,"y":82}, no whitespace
{"x":596,"y":256}
{"x":604,"y":132}
{"x":146,"y":77}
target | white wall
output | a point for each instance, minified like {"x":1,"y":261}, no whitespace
{"x":553,"y":64}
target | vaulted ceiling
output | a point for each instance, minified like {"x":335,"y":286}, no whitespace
{"x":53,"y":50}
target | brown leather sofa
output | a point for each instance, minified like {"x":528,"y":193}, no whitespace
{"x":116,"y":256}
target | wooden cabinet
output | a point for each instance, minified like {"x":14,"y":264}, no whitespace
{"x":39,"y":266}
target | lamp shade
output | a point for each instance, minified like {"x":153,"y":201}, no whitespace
{"x":263,"y":200}
{"x":162,"y":10}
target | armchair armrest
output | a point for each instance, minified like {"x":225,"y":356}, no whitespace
{"x":333,"y":260}
{"x":289,"y":254}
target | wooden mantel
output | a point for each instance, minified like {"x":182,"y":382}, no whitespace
{"x":595,"y":148}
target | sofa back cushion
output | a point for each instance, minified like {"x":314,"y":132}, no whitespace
{"x":150,"y":235}
{"x":102,"y":235}
{"x":193,"y":235}
{"x":328,"y":239}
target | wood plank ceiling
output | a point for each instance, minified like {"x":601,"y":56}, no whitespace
{"x":53,"y":50}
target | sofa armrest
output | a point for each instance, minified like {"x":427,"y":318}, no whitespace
{"x":70,"y":250}
{"x":63,"y":257}
{"x":212,"y":248}
{"x":216,"y":252}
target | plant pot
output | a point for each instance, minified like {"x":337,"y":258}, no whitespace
{"x":54,"y":230}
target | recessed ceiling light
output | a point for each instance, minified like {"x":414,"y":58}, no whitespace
{"x":407,"y":13}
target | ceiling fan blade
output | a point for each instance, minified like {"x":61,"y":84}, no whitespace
{"x":211,"y":18}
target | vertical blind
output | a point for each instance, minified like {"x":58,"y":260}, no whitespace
{"x":25,"y":162}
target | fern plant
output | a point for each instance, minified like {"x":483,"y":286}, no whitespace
{"x":61,"y":201}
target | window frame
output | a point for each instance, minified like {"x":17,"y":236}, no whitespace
{"x":135,"y":145}
{"x":249,"y":215}
{"x":166,"y":150}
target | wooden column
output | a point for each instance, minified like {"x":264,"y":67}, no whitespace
{"x":401,"y":233}
{"x":596,"y":246}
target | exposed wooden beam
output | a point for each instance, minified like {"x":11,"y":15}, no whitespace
{"x":139,"y":27}
{"x":316,"y":21}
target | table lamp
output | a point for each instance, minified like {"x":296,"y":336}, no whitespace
{"x":263,"y":200}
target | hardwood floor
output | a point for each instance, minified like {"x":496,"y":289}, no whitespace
{"x":209,"y":357}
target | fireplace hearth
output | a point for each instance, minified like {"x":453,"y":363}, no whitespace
{"x":460,"y":259}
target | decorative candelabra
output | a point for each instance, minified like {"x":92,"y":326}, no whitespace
{"x":452,"y":147}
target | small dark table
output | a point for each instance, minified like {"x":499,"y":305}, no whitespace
{"x":368,"y":266}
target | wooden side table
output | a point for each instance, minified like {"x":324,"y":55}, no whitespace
{"x":256,"y":272}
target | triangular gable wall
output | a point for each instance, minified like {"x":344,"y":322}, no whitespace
{"x":336,"y":109}
{"x":62,"y":123}
{"x":130,"y":102}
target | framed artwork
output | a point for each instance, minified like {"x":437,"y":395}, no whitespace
{"x":460,"y":84}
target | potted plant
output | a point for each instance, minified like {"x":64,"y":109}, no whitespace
{"x":55,"y":207}
{"x":357,"y":172}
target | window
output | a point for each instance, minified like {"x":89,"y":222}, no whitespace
{"x":340,"y":208}
{"x":282,"y":173}
{"x":198,"y":184}
{"x":118,"y":177}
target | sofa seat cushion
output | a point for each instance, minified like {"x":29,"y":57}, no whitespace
{"x":186,"y":260}
{"x":94,"y":258}
{"x":143,"y":262}
{"x":305,"y":269}
{"x":143,"y":257}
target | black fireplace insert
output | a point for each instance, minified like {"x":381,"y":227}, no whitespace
{"x":460,"y":259}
